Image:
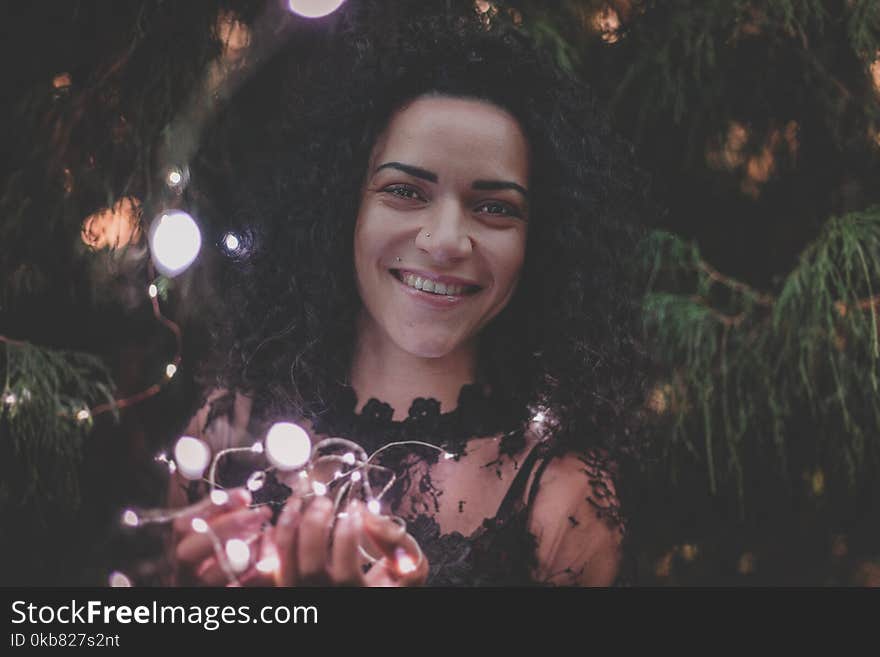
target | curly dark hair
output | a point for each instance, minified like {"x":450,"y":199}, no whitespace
{"x":298,"y":136}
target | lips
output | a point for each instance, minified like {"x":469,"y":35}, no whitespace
{"x":435,"y":285}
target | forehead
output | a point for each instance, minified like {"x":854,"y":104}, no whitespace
{"x":463,"y":135}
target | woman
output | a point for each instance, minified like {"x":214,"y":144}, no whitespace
{"x":440,"y":258}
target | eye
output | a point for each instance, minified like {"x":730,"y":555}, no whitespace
{"x":498,"y":208}
{"x":404,"y":191}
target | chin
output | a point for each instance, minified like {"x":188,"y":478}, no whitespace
{"x":432,"y":347}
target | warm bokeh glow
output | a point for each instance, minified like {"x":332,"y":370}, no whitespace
{"x":113,"y":227}
{"x":875,"y":72}
{"x":732,"y":153}
{"x":606,"y":22}
{"x":234,"y":34}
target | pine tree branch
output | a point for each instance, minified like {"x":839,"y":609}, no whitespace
{"x":762,"y":298}
{"x":862,"y":304}
{"x":14,"y":343}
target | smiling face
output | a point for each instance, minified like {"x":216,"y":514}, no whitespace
{"x":441,"y":232}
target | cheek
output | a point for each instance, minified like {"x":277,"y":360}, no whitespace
{"x":509,"y":262}
{"x":365,"y":245}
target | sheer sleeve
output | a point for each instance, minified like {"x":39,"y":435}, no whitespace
{"x":222,"y":422}
{"x":574,"y":521}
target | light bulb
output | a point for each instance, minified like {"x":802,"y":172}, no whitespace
{"x":175,"y":242}
{"x":348,"y":458}
{"x":314,"y":8}
{"x":192,"y":456}
{"x":219,"y":497}
{"x":170,"y":370}
{"x":153,"y":291}
{"x":373,"y":507}
{"x":231,"y":241}
{"x":119,"y":580}
{"x":238,"y":553}
{"x":177,"y":178}
{"x":256,"y":480}
{"x":269,"y":564}
{"x":130,"y":518}
{"x":319,"y":488}
{"x":83,"y":415}
{"x":356,"y":476}
{"x":257,"y":448}
{"x":405,"y":563}
{"x":199,"y":525}
{"x":287,"y":446}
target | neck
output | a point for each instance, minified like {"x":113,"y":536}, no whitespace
{"x":382,"y":370}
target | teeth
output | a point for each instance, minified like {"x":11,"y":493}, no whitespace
{"x":433,"y":287}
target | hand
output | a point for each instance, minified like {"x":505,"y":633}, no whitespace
{"x":196,"y":562}
{"x":306,"y":557}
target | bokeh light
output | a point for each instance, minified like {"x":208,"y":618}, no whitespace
{"x":238,"y":553}
{"x":119,"y":580}
{"x":192,"y":456}
{"x":175,"y":241}
{"x":314,"y":8}
{"x":287,"y":446}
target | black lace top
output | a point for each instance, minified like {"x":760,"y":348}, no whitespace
{"x":471,"y":514}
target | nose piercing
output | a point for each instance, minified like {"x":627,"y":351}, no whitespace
{"x":427,"y":234}
{"x":399,"y":259}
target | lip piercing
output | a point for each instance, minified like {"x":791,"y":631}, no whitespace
{"x":399,"y":259}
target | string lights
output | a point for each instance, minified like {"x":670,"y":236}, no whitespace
{"x":334,"y":467}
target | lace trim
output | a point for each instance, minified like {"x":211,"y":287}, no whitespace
{"x":477,"y":414}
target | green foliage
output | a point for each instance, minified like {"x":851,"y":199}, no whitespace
{"x":748,"y":367}
{"x":44,"y":420}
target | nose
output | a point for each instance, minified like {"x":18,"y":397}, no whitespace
{"x":444,"y":235}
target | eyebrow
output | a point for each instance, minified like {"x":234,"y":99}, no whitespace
{"x":500,"y":184}
{"x":418,"y":172}
{"x":430,"y":176}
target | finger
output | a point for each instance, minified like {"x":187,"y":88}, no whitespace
{"x":313,"y":540}
{"x":197,"y":546}
{"x":385,"y":532}
{"x":206,"y":509}
{"x":212,"y":573}
{"x":345,"y":562}
{"x":265,"y":569}
{"x":285,"y":538}
{"x":255,"y":577}
{"x":403,"y":563}
{"x":409,"y":568}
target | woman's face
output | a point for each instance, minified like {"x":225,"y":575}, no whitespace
{"x":441,"y":232}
